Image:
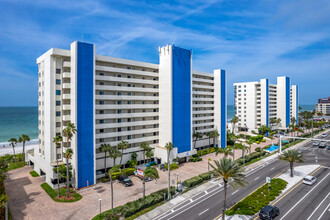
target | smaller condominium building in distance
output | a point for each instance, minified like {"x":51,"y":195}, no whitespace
{"x":323,"y":106}
{"x":256,"y":103}
{"x":112,"y":100}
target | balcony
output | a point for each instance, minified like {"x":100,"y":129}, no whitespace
{"x":66,"y":117}
{"x":66,"y":86}
{"x":66,"y":96}
{"x":66,"y":107}
{"x":66,"y":75}
{"x":67,"y":64}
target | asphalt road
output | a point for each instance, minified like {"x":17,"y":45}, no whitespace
{"x":208,"y":204}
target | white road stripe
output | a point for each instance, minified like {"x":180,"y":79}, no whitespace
{"x":203,"y":212}
{"x":323,"y":212}
{"x":206,"y":192}
{"x":272,"y":168}
{"x":191,"y":200}
{"x":257,"y":178}
{"x":304,"y":196}
{"x":234,"y":192}
{"x":318,"y":206}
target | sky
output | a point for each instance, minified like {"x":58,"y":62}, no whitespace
{"x":249,"y":39}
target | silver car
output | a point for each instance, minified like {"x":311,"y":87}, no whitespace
{"x":309,"y":180}
{"x":315,"y":143}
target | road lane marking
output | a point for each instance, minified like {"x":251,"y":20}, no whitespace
{"x":234,"y":192}
{"x":318,"y":206}
{"x":272,"y":168}
{"x":257,"y":178}
{"x":203,"y":212}
{"x":248,"y":195}
{"x":206,"y":192}
{"x":191,"y":200}
{"x":323,"y":212}
{"x":305,"y":196}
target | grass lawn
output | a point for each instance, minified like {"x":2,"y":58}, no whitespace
{"x":13,"y":165}
{"x":74,"y":196}
{"x":34,"y":173}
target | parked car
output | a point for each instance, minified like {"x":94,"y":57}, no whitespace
{"x":315,"y":143}
{"x":269,"y":212}
{"x":324,"y":135}
{"x":309,"y":180}
{"x":328,"y":147}
{"x":322,"y":145}
{"x":125,"y":180}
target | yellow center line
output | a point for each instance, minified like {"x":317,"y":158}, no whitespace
{"x":249,"y":194}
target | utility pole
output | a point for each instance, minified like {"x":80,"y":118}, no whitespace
{"x":280,"y":145}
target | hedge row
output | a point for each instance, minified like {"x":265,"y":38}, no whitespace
{"x":131,"y":208}
{"x":251,"y":156}
{"x":173,"y":166}
{"x":195,"y":159}
{"x":254,"y":202}
{"x":196,"y":180}
{"x":205,"y":151}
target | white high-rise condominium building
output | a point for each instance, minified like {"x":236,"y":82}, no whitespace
{"x":256,"y":103}
{"x":112,"y":100}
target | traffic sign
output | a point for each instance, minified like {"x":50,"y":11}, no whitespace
{"x":267,"y":179}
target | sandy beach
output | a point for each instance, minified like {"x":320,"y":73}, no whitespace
{"x":18,"y":147}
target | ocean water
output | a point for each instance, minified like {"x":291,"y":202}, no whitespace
{"x":15,"y":121}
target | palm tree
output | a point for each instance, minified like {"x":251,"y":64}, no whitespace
{"x":243,"y":148}
{"x":278,"y":122}
{"x":209,"y":135}
{"x":197,"y":136}
{"x":68,"y":156}
{"x":105,"y":148}
{"x":234,"y":121}
{"x":123,"y":145}
{"x":114,"y":153}
{"x":292,"y":156}
{"x":13,"y":141}
{"x":215,"y":134}
{"x":234,"y":138}
{"x":57,"y":141}
{"x":111,"y":185}
{"x":231,"y":173}
{"x":227,"y":151}
{"x":23,"y":139}
{"x":150,"y":172}
{"x":169,"y":147}
{"x":68,"y":132}
{"x":149,"y":154}
{"x":249,"y":142}
{"x":272,"y":122}
{"x":145,"y":147}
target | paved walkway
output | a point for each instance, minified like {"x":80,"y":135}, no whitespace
{"x":27,"y":200}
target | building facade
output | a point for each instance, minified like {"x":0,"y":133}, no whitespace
{"x":257,"y":103}
{"x":112,"y":100}
{"x":323,"y":106}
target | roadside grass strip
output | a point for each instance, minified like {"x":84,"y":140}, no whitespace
{"x":73,"y":197}
{"x":34,"y":173}
{"x":252,"y":204}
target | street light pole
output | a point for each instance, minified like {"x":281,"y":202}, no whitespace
{"x":177,"y":180}
{"x":280,"y":144}
{"x":100,"y":205}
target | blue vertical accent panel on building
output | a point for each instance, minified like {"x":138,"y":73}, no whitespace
{"x":223,"y":109}
{"x":85,"y":114}
{"x":267,"y":102}
{"x":287,"y":101}
{"x":181,"y":106}
{"x":297,"y":111}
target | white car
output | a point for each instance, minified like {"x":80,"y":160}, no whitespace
{"x":324,"y":135}
{"x":309,"y":180}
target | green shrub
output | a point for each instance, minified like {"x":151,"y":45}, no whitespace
{"x":53,"y":193}
{"x":263,"y":140}
{"x":258,"y":149}
{"x":257,"y":142}
{"x":173,"y":166}
{"x":192,"y":181}
{"x":205,"y":176}
{"x":34,"y":173}
{"x":115,"y":175}
{"x":129,"y":171}
{"x":195,"y":159}
{"x":211,"y":150}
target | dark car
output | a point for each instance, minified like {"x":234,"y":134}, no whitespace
{"x":328,"y":147}
{"x":269,"y":212}
{"x":125,"y":180}
{"x":322,"y":145}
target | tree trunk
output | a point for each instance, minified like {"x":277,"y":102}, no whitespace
{"x":58,"y":179}
{"x":23,"y":156}
{"x":111,"y":192}
{"x":195,"y":143}
{"x":144,"y":188}
{"x":291,"y":167}
{"x":144,"y":156}
{"x":169,"y":177}
{"x":209,"y":142}
{"x":14,"y":152}
{"x":234,"y":152}
{"x":214,"y":142}
{"x":121,"y":158}
{"x":67,"y":179}
{"x":105,"y":163}
{"x":224,"y":200}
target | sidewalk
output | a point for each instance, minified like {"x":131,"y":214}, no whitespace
{"x":182,"y":198}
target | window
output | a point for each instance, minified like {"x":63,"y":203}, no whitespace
{"x":58,"y":92}
{"x":101,"y":111}
{"x":58,"y":71}
{"x":129,"y":94}
{"x":58,"y":82}
{"x":118,"y":111}
{"x":58,"y":113}
{"x":58,"y":103}
{"x":101,"y":102}
{"x":118,"y":75}
{"x":101,"y":140}
{"x":101,"y":121}
{"x":129,"y":68}
{"x":129,"y":77}
{"x":143,"y":135}
{"x":101,"y":93}
{"x":101,"y":74}
{"x":129,"y":111}
{"x":129,"y":137}
{"x":128,"y":102}
{"x":119,"y":120}
{"x":118,"y":84}
{"x":118,"y":93}
{"x":128,"y":119}
{"x":101,"y":130}
{"x":128,"y":85}
{"x":118,"y":102}
{"x":128,"y":128}
{"x":58,"y":124}
{"x":118,"y":129}
{"x":101,"y":83}
{"x":57,"y":134}
{"x":119,"y":138}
